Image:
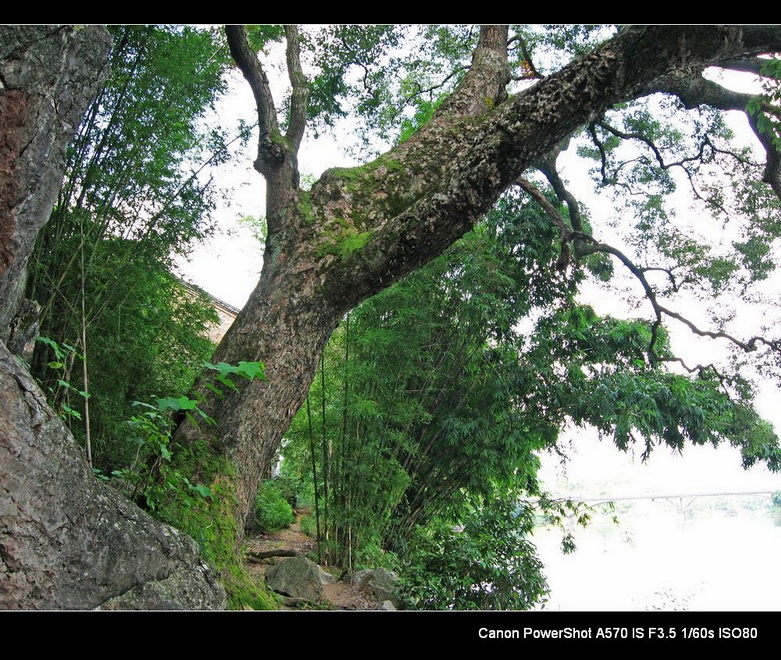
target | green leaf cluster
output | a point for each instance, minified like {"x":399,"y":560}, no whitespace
{"x":152,"y":479}
{"x":272,"y":509}
{"x":65,"y":355}
{"x":247,"y":370}
{"x":487,"y":563}
{"x":161,"y":476}
{"x":136,"y":193}
{"x":765,"y":106}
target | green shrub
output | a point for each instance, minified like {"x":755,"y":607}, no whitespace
{"x":288,"y":488}
{"x":272,"y":510}
{"x":309,"y":525}
{"x":486,"y":563}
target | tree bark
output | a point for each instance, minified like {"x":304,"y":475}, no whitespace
{"x":66,"y":539}
{"x":32,"y":123}
{"x":361,"y":229}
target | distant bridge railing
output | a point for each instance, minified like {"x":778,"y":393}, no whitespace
{"x":604,"y":499}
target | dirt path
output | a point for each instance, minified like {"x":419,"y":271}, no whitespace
{"x":338,"y":596}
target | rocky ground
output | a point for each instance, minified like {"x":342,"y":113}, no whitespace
{"x":338,"y":596}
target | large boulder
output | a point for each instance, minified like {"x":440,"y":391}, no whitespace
{"x":66,"y":539}
{"x":298,"y":577}
{"x":380,"y":584}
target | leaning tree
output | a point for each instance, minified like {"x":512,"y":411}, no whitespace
{"x":357,"y":230}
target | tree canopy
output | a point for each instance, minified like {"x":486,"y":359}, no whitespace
{"x":636,"y":99}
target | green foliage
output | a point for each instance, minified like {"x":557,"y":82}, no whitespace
{"x":149,"y":337}
{"x":339,"y":52}
{"x":647,"y":161}
{"x":272,"y":509}
{"x":64,"y":355}
{"x":430,"y":399}
{"x":247,"y":370}
{"x":486,"y":563}
{"x":309,"y":526}
{"x":134,"y":195}
{"x":557,"y":41}
{"x":137,"y":192}
{"x":133,"y":165}
{"x":391,"y":78}
{"x":388,"y":77}
{"x":257,"y":225}
{"x":260,"y":36}
{"x":192,"y":487}
{"x":153,"y":479}
{"x":414,"y":411}
{"x":765,"y":107}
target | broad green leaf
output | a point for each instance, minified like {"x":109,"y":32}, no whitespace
{"x":182,"y":403}
{"x":252,"y":369}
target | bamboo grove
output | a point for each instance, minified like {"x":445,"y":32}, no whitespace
{"x":433,"y":399}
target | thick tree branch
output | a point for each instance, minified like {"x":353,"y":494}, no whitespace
{"x":250,"y":66}
{"x":745,"y":64}
{"x":271,"y":152}
{"x":491,"y":153}
{"x":486,"y":79}
{"x":300,"y":95}
{"x":694,"y":90}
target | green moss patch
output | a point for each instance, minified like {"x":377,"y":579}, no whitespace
{"x":212,"y":523}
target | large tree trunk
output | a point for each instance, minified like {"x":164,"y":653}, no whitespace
{"x":66,"y":539}
{"x":361,"y":229}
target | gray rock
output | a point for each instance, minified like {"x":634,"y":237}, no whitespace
{"x":49,"y":74}
{"x":380,"y":584}
{"x":358,"y":577}
{"x":326,"y":577}
{"x":190,"y":588}
{"x":297,"y":577}
{"x":67,"y":541}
